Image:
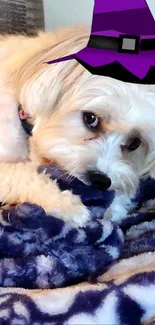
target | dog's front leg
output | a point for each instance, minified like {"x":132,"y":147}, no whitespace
{"x":20,"y":182}
{"x":119,"y":208}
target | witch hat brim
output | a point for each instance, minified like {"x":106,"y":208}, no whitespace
{"x":122,"y":42}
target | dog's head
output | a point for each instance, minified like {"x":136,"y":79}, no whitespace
{"x":98,"y":129}
{"x":101,"y":132}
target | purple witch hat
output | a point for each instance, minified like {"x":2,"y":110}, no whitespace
{"x":122,"y":41}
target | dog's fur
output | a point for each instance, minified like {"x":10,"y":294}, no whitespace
{"x":54,"y":97}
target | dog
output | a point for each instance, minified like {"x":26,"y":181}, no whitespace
{"x":98,"y":129}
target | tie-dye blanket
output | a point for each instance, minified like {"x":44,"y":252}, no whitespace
{"x":51,"y":273}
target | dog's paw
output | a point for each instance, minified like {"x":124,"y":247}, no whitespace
{"x":119,"y":208}
{"x":116,"y":214}
{"x":71,"y":210}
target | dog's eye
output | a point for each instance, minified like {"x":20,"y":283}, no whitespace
{"x":133,"y":144}
{"x":91,"y":120}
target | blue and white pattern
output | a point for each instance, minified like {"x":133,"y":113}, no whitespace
{"x":51,"y":273}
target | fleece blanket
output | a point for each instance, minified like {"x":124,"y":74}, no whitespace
{"x":103,"y":273}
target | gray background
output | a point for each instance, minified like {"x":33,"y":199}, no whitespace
{"x":60,"y":13}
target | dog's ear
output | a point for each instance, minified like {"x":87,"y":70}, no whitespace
{"x":45,"y":86}
{"x":39,"y":93}
{"x":40,"y":85}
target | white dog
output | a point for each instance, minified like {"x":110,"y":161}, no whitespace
{"x":98,"y":129}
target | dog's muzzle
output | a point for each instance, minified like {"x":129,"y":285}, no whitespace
{"x":98,"y":180}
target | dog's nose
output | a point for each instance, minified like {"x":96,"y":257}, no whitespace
{"x":98,"y":180}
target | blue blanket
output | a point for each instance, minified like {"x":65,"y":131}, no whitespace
{"x":42,"y":252}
